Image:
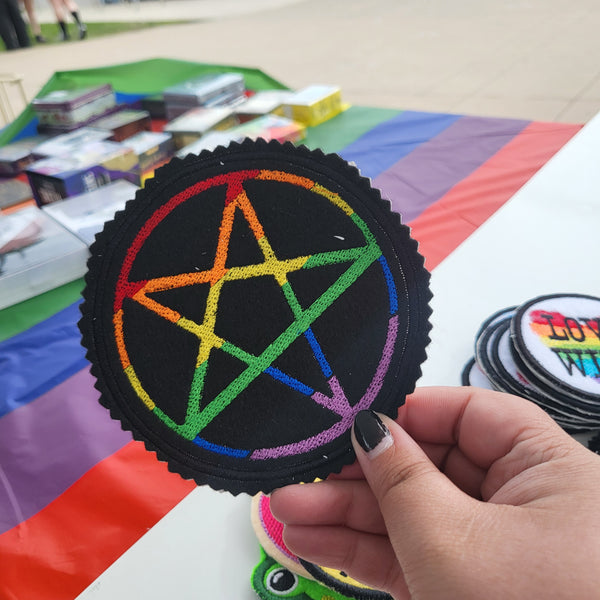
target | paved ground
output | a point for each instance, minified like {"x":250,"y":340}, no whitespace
{"x":535,"y":59}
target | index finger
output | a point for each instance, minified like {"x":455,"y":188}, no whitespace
{"x":483,"y":424}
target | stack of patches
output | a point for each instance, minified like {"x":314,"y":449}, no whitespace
{"x":548,"y":351}
{"x":280,"y":573}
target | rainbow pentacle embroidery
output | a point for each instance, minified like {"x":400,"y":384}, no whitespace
{"x":574,"y":340}
{"x":246,"y":306}
{"x":199,"y":415}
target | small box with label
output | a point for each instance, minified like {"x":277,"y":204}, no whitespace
{"x":14,"y":157}
{"x":200,"y":91}
{"x":86,"y":214}
{"x":196,"y":122}
{"x":68,"y":109}
{"x":153,"y":149}
{"x":262,"y":103}
{"x":313,"y":105}
{"x":94,"y":165}
{"x":124,"y":123}
{"x":36,"y":255}
{"x":70,"y":143}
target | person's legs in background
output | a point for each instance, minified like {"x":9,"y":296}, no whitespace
{"x":13,"y":30}
{"x":7,"y":31}
{"x":33,"y":22}
{"x":60,"y":7}
{"x":57,"y":5}
{"x":74,"y":10}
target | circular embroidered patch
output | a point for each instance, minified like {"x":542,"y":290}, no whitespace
{"x":269,"y":532}
{"x":565,"y":401}
{"x":483,"y":350}
{"x":343,"y":583}
{"x":517,"y":383}
{"x":246,"y":305}
{"x":499,"y":315}
{"x":558,"y":339}
{"x":272,"y":581}
{"x":473,"y":376}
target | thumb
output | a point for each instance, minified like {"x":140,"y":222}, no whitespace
{"x":421,"y":507}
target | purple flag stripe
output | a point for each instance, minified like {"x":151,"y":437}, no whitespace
{"x":426,"y":174}
{"x":388,"y":142}
{"x":50,"y":443}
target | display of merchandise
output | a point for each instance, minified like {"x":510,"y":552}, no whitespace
{"x":314,"y":104}
{"x":86,"y":214}
{"x":125,"y":123}
{"x":93,"y":165}
{"x":13,"y":192}
{"x":68,"y":109}
{"x":196,"y":122}
{"x":36,"y":255}
{"x":14,"y":157}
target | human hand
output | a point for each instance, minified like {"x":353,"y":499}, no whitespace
{"x":470,"y":494}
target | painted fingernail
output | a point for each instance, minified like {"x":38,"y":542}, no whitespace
{"x":371,"y":434}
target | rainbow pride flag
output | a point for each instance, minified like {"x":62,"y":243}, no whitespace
{"x":75,"y":490}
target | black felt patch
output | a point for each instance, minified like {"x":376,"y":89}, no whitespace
{"x":246,"y":305}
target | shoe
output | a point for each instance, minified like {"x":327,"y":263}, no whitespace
{"x":82,"y":31}
{"x":63,"y":32}
{"x":40,"y":39}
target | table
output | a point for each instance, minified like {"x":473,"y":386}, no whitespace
{"x":503,"y":209}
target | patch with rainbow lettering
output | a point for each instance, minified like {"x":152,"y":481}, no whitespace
{"x":557,"y":338}
{"x":246,"y":305}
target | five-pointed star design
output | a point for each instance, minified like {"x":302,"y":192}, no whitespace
{"x":360,"y":258}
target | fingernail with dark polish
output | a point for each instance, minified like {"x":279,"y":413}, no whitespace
{"x":370,"y":432}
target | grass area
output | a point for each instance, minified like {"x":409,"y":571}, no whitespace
{"x":51,"y":30}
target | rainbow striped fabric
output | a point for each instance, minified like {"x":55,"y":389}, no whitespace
{"x":75,"y":490}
